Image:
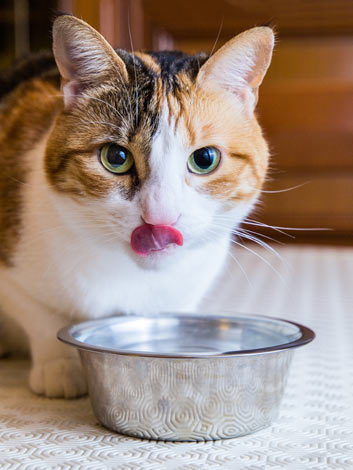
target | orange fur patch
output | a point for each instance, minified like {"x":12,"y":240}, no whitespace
{"x":26,"y":114}
{"x":215,"y":118}
{"x":149,"y":61}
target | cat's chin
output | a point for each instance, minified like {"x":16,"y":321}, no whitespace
{"x":157,"y":259}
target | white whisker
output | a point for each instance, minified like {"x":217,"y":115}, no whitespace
{"x":244,"y":234}
{"x":101,"y":101}
{"x":209,"y":239}
{"x":261,"y":257}
{"x":217,"y":38}
{"x":309,"y":229}
{"x":242,"y":269}
{"x":261,"y":243}
{"x":260,"y":235}
{"x":291,"y":188}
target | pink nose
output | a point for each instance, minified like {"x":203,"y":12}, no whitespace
{"x":159,"y":219}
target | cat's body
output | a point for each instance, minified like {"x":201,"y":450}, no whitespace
{"x":80,"y":240}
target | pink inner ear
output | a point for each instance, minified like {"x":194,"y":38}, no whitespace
{"x":70,"y":91}
{"x":148,"y":238}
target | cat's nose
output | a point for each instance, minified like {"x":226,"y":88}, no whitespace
{"x":160,"y":204}
{"x":159,"y":218}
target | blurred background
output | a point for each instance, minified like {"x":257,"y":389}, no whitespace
{"x":306,"y":100}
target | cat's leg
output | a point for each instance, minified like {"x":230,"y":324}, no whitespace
{"x":13,"y":339}
{"x":56,"y":369}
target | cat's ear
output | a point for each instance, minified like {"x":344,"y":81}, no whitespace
{"x":83,"y":57}
{"x":240,"y":65}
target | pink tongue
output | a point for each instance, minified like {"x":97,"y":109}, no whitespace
{"x":147,"y":238}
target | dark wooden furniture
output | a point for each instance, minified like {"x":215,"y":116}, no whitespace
{"x":306,"y":101}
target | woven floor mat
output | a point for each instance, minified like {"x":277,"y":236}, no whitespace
{"x":310,"y":285}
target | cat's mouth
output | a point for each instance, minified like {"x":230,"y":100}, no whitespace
{"x":148,"y":239}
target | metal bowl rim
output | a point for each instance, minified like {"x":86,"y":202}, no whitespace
{"x":307,"y":335}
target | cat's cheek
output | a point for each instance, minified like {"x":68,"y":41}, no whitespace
{"x":195,"y":222}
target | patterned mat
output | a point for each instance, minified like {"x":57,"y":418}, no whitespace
{"x":311,"y":285}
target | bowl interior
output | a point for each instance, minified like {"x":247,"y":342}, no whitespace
{"x":185,"y":335}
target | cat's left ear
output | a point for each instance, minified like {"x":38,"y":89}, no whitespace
{"x":240,"y":65}
{"x":84,"y":58}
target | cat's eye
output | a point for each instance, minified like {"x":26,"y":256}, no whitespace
{"x":204,"y":160}
{"x":116,"y":158}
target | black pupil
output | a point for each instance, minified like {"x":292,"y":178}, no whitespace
{"x":203,"y":158}
{"x":116,"y":155}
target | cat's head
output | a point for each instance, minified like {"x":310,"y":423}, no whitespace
{"x":157,"y":150}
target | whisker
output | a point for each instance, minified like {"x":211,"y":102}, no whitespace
{"x":303,"y":229}
{"x":110,"y":124}
{"x":109,"y":106}
{"x":100,"y":101}
{"x":218,"y":35}
{"x":231,"y":220}
{"x":260,"y":235}
{"x":243,"y":234}
{"x":204,"y":237}
{"x":260,"y":224}
{"x":283,"y":190}
{"x":261,"y":257}
{"x":242,"y":269}
{"x":126,"y":90}
{"x":263,"y":244}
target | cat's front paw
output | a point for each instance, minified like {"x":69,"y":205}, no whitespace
{"x":60,"y":378}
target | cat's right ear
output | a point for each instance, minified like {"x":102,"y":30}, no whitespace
{"x":83,"y":57}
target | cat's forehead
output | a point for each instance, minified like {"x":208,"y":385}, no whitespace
{"x":134,"y":109}
{"x":161,"y":87}
{"x":169,"y":66}
{"x":173,"y":64}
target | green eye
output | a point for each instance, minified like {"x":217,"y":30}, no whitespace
{"x":204,"y":160}
{"x":116,"y":158}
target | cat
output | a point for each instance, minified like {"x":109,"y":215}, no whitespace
{"x":119,"y":191}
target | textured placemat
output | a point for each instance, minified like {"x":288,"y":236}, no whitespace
{"x":315,"y":427}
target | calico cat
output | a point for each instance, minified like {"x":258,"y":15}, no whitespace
{"x":110,"y":187}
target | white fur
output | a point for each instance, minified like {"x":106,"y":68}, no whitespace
{"x":74,"y":261}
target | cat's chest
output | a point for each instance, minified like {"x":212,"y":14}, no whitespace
{"x":121,"y":287}
{"x":104,"y":285}
{"x":77,"y":276}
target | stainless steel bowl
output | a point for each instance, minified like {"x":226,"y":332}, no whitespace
{"x":186,"y":377}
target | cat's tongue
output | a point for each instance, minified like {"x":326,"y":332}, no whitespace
{"x":148,"y":238}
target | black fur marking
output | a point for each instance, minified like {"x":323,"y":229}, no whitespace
{"x":41,"y":65}
{"x":142,"y":85}
{"x":135,"y":184}
{"x":136,"y":103}
{"x":173,"y":62}
{"x":141,"y":89}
